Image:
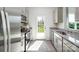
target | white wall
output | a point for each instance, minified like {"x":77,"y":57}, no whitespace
{"x":40,"y":11}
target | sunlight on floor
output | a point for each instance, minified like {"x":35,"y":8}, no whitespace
{"x":35,"y":46}
{"x":40,"y":36}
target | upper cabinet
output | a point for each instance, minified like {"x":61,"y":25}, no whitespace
{"x":73,"y":13}
{"x":77,"y":14}
{"x":58,"y":15}
{"x":73,"y":18}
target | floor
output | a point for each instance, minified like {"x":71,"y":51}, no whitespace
{"x":40,"y":35}
{"x":41,"y":46}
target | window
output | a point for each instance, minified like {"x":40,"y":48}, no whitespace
{"x":72,"y":24}
{"x":40,"y":24}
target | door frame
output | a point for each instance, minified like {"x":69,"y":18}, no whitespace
{"x":43,"y":17}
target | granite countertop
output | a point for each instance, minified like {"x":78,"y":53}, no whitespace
{"x":71,"y":36}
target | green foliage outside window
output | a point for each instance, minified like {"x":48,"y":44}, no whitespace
{"x":41,"y":28}
{"x":72,"y":25}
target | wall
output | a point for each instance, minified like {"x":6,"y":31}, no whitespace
{"x":40,"y":11}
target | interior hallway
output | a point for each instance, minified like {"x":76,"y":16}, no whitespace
{"x":41,"y":46}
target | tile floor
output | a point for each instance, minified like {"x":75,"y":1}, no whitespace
{"x":41,"y":46}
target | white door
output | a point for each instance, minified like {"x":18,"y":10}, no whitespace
{"x":45,"y":32}
{"x":40,"y":33}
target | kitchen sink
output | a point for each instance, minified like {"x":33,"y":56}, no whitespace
{"x":62,"y":32}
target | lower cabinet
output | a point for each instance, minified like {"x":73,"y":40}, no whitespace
{"x":58,"y":42}
{"x":69,"y":47}
{"x":52,"y":37}
{"x":64,"y":45}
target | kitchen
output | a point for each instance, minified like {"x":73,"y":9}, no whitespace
{"x":20,"y":28}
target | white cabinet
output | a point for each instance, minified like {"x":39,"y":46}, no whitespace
{"x":55,"y":16}
{"x":69,"y":47}
{"x":52,"y":36}
{"x":63,"y":44}
{"x":58,"y":42}
{"x":58,"y":15}
{"x":76,"y":14}
{"x":66,"y":48}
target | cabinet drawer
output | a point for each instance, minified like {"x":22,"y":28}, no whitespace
{"x":70,"y":45}
{"x":67,"y":49}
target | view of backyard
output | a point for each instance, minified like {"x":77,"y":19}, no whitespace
{"x":74,"y":25}
{"x":40,"y":27}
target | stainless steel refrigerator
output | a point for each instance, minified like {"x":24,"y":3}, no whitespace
{"x":3,"y":32}
{"x":10,"y":34}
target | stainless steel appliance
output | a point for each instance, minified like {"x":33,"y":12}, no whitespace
{"x":14,"y":33}
{"x":10,"y":32}
{"x":3,"y":32}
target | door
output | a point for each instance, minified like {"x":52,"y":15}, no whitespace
{"x":3,"y":33}
{"x":10,"y":34}
{"x":14,"y":33}
{"x":40,"y":27}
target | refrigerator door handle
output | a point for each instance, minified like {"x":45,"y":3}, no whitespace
{"x":4,"y":30}
{"x":8,"y":32}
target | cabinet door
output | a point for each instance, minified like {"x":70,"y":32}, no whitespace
{"x":52,"y":37}
{"x":59,"y":45}
{"x":76,"y":49}
{"x":60,"y":14}
{"x":55,"y":42}
{"x":58,"y":42}
{"x":77,"y":14}
{"x":55,"y":16}
{"x":67,"y":46}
